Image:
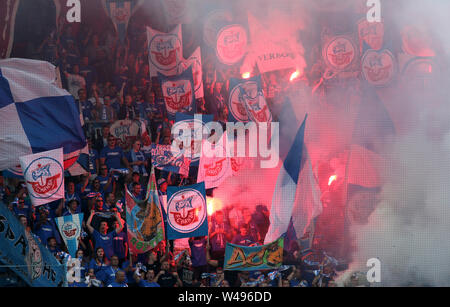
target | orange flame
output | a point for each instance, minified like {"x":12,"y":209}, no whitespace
{"x":246,"y":75}
{"x":331,"y":179}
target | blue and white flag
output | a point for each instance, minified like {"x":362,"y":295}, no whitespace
{"x":26,"y":256}
{"x":36,"y":114}
{"x":163,"y":158}
{"x":70,"y":229}
{"x":44,"y":176}
{"x":297,"y":194}
{"x":186,"y":212}
{"x":178,"y":93}
{"x":246,"y":101}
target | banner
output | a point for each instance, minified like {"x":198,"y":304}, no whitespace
{"x":339,"y":53}
{"x":246,"y":101}
{"x":254,"y":258}
{"x":8,"y":10}
{"x":195,"y":61}
{"x":70,"y":229}
{"x":165,"y":51}
{"x":125,"y":131}
{"x":27,"y":257}
{"x":179,"y":93}
{"x":231,"y":45}
{"x":144,"y":219}
{"x":378,"y":67}
{"x":186,"y":212}
{"x":44,"y":176}
{"x":120,"y":12}
{"x":163,"y":159}
{"x":32,"y":109}
{"x":272,"y":51}
{"x":214,"y":170}
{"x":196,"y":124}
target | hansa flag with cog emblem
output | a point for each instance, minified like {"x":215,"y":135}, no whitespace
{"x":247,"y":102}
{"x":186,"y":212}
{"x":178,"y":93}
{"x":44,"y":176}
{"x":70,"y":229}
{"x":165,"y":51}
{"x":215,"y":166}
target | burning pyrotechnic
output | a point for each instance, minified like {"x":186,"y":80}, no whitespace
{"x":213,"y":205}
{"x":332,"y":179}
{"x":245,"y":75}
{"x":294,"y":75}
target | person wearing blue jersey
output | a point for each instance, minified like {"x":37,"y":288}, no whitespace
{"x":148,"y":282}
{"x":106,"y":180}
{"x":98,"y":262}
{"x":112,"y":155}
{"x":120,"y":280}
{"x":103,"y":238}
{"x":45,"y":227}
{"x":108,"y":274}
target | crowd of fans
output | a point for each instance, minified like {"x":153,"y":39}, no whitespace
{"x":110,"y":81}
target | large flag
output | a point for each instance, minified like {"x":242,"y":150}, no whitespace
{"x":247,"y":102}
{"x":8,"y":10}
{"x":144,"y":219}
{"x":178,"y":93}
{"x":231,"y":45}
{"x":297,"y":194}
{"x":70,"y":229}
{"x":195,"y":61}
{"x":164,"y":158}
{"x":36,"y":114}
{"x":23,"y":253}
{"x":215,"y":169}
{"x":186,"y":212}
{"x":196,"y":124}
{"x":165,"y":51}
{"x":254,"y":258}
{"x":272,"y":51}
{"x":44,"y":176}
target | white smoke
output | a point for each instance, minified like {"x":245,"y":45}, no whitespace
{"x":408,"y":231}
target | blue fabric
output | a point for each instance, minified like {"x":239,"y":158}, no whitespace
{"x":293,"y":161}
{"x":17,"y":247}
{"x":6,"y":97}
{"x":56,"y":114}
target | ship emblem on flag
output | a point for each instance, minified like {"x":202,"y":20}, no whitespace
{"x":186,"y":212}
{"x":44,"y":176}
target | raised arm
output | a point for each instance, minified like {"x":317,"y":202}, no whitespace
{"x":88,"y":224}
